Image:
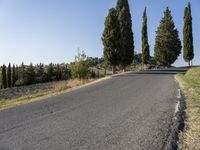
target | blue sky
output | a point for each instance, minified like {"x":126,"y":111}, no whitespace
{"x":52,"y":30}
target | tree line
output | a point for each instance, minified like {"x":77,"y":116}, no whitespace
{"x":14,"y":75}
{"x":20,"y":75}
{"x":118,"y":38}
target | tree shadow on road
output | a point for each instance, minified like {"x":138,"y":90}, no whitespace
{"x":154,"y":72}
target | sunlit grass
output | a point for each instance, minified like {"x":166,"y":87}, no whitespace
{"x":21,"y":100}
{"x":58,"y":88}
{"x":190,"y":83}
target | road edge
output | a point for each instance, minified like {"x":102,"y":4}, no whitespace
{"x":48,"y":95}
{"x":178,"y":123}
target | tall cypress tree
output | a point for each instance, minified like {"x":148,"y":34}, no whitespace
{"x":16,"y":73}
{"x":126,"y":33}
{"x":111,"y":39}
{"x":168,"y":45}
{"x":13,"y":75}
{"x":9,"y":76}
{"x":188,"y":49}
{"x":4,"y":77}
{"x":145,"y":44}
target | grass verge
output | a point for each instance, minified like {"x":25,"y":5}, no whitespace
{"x":190,"y":84}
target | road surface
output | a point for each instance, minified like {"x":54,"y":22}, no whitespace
{"x":126,"y":112}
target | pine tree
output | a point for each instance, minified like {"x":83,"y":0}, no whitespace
{"x":145,"y":45}
{"x":4,"y":77}
{"x":9,"y":76}
{"x":168,"y":45}
{"x":111,"y":39}
{"x":16,"y":73}
{"x":13,"y":76}
{"x":188,"y":52}
{"x":126,"y":33}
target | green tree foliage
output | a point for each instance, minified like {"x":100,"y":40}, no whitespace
{"x":138,"y":59}
{"x":50,"y":72}
{"x":111,"y":39}
{"x":9,"y":78}
{"x":58,"y":72}
{"x":13,"y":75}
{"x":40,"y":75}
{"x":30,"y":75}
{"x":16,"y":74}
{"x":188,"y":49}
{"x":4,"y":77}
{"x":80,"y":68}
{"x":22,"y":71}
{"x":168,"y":45}
{"x":145,"y":44}
{"x":126,"y":33}
{"x":93,"y":62}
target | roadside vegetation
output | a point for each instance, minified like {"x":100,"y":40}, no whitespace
{"x":118,"y":55}
{"x":190,"y":83}
{"x":83,"y":70}
{"x":24,"y":94}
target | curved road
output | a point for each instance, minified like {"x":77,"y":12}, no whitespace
{"x":126,"y":112}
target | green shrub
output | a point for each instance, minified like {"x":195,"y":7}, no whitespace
{"x":80,"y":69}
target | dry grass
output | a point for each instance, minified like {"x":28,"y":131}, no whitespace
{"x":56,"y":89}
{"x":190,"y":83}
{"x":21,"y":100}
{"x":64,"y":85}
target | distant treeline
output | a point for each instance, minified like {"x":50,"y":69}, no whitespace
{"x":13,"y":75}
{"x":19,"y":75}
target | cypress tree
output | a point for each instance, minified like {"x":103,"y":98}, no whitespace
{"x":22,"y":72}
{"x":30,"y":75}
{"x":9,"y":76}
{"x":50,"y":72}
{"x":188,"y":49}
{"x":4,"y":77}
{"x":145,"y":45}
{"x":16,"y":73}
{"x":58,"y":72}
{"x":13,"y":76}
{"x":168,"y":45}
{"x":126,"y":33}
{"x":111,"y":39}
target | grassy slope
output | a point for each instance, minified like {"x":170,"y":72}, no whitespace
{"x":190,"y":83}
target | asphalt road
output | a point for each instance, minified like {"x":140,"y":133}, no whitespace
{"x":126,"y":112}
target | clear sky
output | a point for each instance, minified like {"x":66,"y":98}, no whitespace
{"x":52,"y":30}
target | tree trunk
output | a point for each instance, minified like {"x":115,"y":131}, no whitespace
{"x":113,"y":69}
{"x":189,"y":63}
{"x":105,"y":72}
